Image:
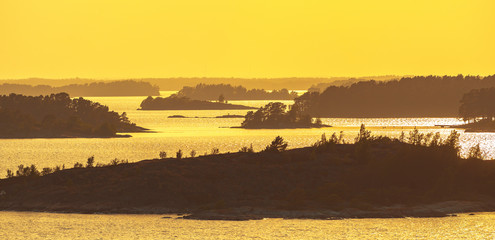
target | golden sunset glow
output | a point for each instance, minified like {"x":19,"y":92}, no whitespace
{"x":260,"y":38}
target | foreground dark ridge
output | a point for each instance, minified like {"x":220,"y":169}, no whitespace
{"x":376,"y":177}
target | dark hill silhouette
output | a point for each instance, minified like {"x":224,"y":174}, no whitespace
{"x":57,"y":115}
{"x":175,"y":102}
{"x":430,"y":96}
{"x":374,"y":177}
{"x":116,"y":88}
{"x":229,"y":92}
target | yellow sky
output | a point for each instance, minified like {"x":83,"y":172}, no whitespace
{"x":250,"y":38}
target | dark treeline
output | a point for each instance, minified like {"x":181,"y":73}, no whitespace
{"x":478,"y":110}
{"x":346,"y":82}
{"x":117,"y":88}
{"x":229,"y":92}
{"x":175,"y":102}
{"x":478,"y":103}
{"x":333,"y":175}
{"x":57,"y":115}
{"x":430,"y":96}
{"x":174,"y":84}
{"x":275,"y":115}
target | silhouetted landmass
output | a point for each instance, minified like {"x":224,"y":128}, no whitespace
{"x":430,"y":96}
{"x":57,"y":115}
{"x":483,"y":125}
{"x":419,"y":176}
{"x":174,"y":84}
{"x":346,"y":82}
{"x":228,"y":92}
{"x":118,"y":88}
{"x":175,"y":102}
{"x":275,"y":115}
{"x":230,"y":116}
{"x":478,"y":110}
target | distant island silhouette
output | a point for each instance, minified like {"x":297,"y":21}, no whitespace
{"x":229,"y":92}
{"x":114,"y":88}
{"x":430,"y":96}
{"x":57,"y":115}
{"x":275,"y":115}
{"x":177,"y":83}
{"x":175,"y":102}
{"x":419,"y":175}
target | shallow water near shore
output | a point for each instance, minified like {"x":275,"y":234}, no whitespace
{"x":202,"y":134}
{"x":32,"y":225}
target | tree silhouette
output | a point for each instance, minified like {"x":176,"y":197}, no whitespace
{"x":277,"y":145}
{"x":275,"y":115}
{"x":214,"y":91}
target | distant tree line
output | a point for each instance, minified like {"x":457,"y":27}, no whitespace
{"x":430,"y":96}
{"x":175,"y":102}
{"x":229,"y":92}
{"x":117,"y":88}
{"x":57,"y":115}
{"x":346,"y":82}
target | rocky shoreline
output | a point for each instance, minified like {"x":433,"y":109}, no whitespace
{"x":441,"y":209}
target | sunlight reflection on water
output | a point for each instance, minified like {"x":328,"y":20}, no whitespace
{"x":28,"y":225}
{"x":202,"y":134}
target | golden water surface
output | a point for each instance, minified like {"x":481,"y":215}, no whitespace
{"x":28,"y":225}
{"x":202,"y":134}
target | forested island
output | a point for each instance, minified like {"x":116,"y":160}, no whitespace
{"x":478,"y":110}
{"x":275,"y":115}
{"x":57,"y":115}
{"x":175,"y":102}
{"x":430,"y":96}
{"x":416,"y":175}
{"x":115,"y":88}
{"x":229,"y":92}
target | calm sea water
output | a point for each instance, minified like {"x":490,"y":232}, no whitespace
{"x":202,"y":133}
{"x":21,"y":225}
